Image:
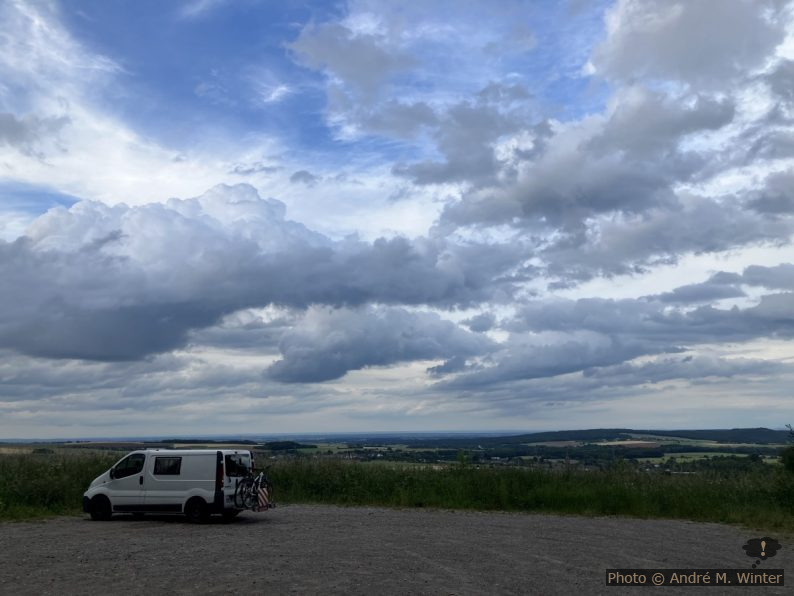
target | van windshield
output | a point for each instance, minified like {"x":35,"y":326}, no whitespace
{"x":238,"y":464}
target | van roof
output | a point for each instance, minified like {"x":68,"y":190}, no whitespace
{"x":193,"y":451}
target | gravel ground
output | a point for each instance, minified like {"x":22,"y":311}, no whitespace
{"x":335,"y":550}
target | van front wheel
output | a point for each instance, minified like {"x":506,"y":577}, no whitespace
{"x":100,"y":508}
{"x":196,"y":511}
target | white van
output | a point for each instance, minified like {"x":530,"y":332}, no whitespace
{"x":196,"y":482}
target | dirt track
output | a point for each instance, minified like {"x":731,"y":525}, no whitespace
{"x":331,"y":550}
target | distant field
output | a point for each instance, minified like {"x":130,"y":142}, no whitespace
{"x":595,"y":472}
{"x":15,"y":450}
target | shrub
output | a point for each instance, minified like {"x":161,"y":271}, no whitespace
{"x":787,"y":457}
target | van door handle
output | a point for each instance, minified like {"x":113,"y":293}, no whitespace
{"x":140,"y":479}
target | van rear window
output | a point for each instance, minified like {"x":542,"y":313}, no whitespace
{"x":238,"y":464}
{"x":167,"y":466}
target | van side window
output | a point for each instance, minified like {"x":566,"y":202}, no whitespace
{"x":129,"y":465}
{"x":238,"y":465}
{"x":167,"y":466}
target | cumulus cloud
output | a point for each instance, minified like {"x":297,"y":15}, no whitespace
{"x":303,"y":177}
{"x":480,"y":323}
{"x":625,"y":161}
{"x":704,"y":43}
{"x":116,"y":283}
{"x":630,"y":244}
{"x":542,"y":355}
{"x":777,"y":196}
{"x":361,"y":60}
{"x":633,"y":186}
{"x":327,"y":344}
{"x":685,"y":367}
{"x":702,"y":292}
{"x":781,"y":80}
{"x":465,"y":136}
{"x":648,"y":320}
{"x":779,"y":277}
{"x":554,"y":158}
{"x":553,"y":338}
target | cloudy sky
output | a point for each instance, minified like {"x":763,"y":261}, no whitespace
{"x":225,"y":216}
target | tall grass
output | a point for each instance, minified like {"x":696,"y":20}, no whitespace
{"x":763,"y":498}
{"x":34,"y":485}
{"x":40,"y":485}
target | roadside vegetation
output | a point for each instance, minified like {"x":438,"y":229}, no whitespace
{"x":47,"y":482}
{"x":761,"y":497}
{"x":51,"y":482}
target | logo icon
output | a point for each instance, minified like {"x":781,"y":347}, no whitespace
{"x":761,"y":549}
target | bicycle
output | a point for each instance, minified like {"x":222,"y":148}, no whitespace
{"x":254,"y":492}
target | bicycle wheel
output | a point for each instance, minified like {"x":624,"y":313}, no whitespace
{"x":243,"y":495}
{"x":249,"y":495}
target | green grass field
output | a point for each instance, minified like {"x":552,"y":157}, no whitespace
{"x":36,"y":485}
{"x":762,"y":499}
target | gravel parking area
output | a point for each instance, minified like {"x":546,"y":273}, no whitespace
{"x":335,"y":550}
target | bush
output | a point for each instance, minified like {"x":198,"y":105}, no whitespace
{"x":787,"y":457}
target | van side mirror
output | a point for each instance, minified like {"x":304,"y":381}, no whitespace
{"x":112,"y":473}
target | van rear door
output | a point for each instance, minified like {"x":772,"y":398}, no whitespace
{"x":236,"y":465}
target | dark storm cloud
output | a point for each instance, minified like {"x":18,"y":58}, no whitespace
{"x":117,"y":283}
{"x":325,"y":345}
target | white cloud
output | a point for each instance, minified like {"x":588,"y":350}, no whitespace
{"x":193,"y":9}
{"x":477,"y":235}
